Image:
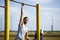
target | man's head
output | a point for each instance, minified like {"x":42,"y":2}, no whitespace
{"x":25,"y":20}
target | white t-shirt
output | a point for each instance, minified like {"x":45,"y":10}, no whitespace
{"x":22,"y":31}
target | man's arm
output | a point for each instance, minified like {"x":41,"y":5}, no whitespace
{"x":21,"y":17}
{"x":26,"y":36}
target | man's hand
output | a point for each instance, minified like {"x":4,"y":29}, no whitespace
{"x":22,"y":4}
{"x":28,"y":38}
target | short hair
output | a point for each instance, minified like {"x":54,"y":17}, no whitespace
{"x":25,"y":17}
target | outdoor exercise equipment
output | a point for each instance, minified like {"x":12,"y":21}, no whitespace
{"x":7,"y":18}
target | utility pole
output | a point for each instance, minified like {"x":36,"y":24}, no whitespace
{"x":1,"y":23}
{"x":52,"y":25}
{"x":11,"y":23}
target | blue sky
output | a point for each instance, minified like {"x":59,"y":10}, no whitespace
{"x":48,"y":9}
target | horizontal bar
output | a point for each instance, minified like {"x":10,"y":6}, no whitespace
{"x":2,"y":6}
{"x":21,"y":3}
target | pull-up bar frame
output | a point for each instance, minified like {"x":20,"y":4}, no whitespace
{"x":38,"y":21}
{"x":7,"y":20}
{"x":24,"y":3}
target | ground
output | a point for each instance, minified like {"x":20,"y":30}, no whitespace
{"x":46,"y":36}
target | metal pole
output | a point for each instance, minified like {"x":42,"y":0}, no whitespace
{"x":24,"y":3}
{"x":38,"y":20}
{"x":7,"y":19}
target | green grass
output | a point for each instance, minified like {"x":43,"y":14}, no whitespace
{"x":47,"y":35}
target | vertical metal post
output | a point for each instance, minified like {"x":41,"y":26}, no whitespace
{"x":7,"y":20}
{"x":38,"y":20}
{"x":1,"y":23}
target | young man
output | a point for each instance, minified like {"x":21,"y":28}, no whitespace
{"x":41,"y":35}
{"x":22,"y":28}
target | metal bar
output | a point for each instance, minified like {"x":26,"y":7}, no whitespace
{"x":7,"y":19}
{"x":24,"y":3}
{"x":2,"y":6}
{"x":38,"y":20}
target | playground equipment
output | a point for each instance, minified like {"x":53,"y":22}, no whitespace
{"x":7,"y":18}
{"x":24,"y":3}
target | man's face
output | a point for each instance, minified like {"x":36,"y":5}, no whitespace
{"x":25,"y":20}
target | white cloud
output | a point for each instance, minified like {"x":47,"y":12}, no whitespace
{"x":46,"y":1}
{"x":41,"y":1}
{"x":45,"y":14}
{"x":51,"y":9}
{"x":1,"y":11}
{"x":50,"y":12}
{"x":14,"y":10}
